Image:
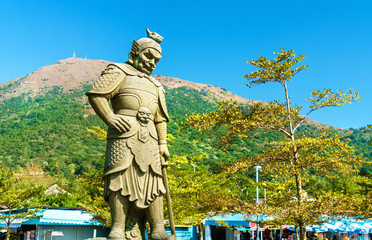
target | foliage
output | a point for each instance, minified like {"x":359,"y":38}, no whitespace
{"x":72,"y":200}
{"x":361,"y":139}
{"x":91,"y":186}
{"x":48,"y":129}
{"x":17,"y":187}
{"x":290,"y":162}
{"x":196,"y":192}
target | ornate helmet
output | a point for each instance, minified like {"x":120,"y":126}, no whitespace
{"x":151,"y":41}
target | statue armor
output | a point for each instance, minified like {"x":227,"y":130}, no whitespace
{"x":133,"y":156}
{"x":136,"y":142}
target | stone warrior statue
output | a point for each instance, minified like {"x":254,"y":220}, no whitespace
{"x":136,"y":140}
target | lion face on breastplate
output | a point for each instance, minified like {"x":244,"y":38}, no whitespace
{"x":143,"y":116}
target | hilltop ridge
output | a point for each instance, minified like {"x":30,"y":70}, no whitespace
{"x":71,"y":73}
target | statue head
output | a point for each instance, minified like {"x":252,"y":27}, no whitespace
{"x":146,"y":52}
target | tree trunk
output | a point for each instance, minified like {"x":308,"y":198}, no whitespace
{"x":8,"y":234}
{"x":297,"y":233}
{"x":300,"y":202}
{"x":303,"y":231}
{"x":8,"y":225}
{"x":201,"y":232}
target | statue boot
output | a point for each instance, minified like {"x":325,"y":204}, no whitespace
{"x":155,"y":217}
{"x":119,"y":211}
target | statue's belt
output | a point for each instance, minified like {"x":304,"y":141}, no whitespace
{"x":132,"y":113}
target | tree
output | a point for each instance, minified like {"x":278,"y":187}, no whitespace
{"x":91,"y":188}
{"x":91,"y":185}
{"x":197,"y":192}
{"x":290,"y":163}
{"x":18,"y":187}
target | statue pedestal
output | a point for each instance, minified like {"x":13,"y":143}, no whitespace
{"x":99,"y":238}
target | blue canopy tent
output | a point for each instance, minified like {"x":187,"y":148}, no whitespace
{"x":347,"y":225}
{"x":14,"y":224}
{"x":233,"y":220}
{"x":237,"y":221}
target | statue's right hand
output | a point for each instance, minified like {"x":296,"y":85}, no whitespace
{"x":119,"y":123}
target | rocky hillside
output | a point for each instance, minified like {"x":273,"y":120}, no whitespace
{"x":68,"y":74}
{"x":213,"y":93}
{"x":71,"y":73}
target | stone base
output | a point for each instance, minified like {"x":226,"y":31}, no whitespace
{"x":99,"y":238}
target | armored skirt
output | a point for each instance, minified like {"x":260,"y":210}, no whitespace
{"x":138,"y":180}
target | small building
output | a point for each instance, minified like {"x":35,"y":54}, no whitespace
{"x":58,"y":224}
{"x":185,"y":232}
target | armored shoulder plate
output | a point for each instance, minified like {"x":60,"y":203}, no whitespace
{"x":109,"y":80}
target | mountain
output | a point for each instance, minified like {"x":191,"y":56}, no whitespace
{"x":71,"y":73}
{"x":44,"y":116}
{"x":68,"y":74}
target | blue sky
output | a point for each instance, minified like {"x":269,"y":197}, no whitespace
{"x":205,"y":42}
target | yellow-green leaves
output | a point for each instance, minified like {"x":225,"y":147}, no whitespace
{"x":98,"y":132}
{"x":326,"y":154}
{"x":329,"y":98}
{"x":17,"y":188}
{"x":90,"y":186}
{"x":197,"y":192}
{"x":277,"y":70}
{"x":239,"y":121}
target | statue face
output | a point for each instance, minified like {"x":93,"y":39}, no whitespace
{"x":147,"y":60}
{"x":143,"y":115}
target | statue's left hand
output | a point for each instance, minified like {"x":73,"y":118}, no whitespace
{"x":163,"y":149}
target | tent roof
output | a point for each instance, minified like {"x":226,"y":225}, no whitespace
{"x":234,"y":220}
{"x":345,"y":225}
{"x":62,"y":217}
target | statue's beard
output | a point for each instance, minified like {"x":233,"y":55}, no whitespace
{"x":143,"y":66}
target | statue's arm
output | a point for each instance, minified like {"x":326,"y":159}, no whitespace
{"x":161,"y":128}
{"x":101,"y":107}
{"x":161,"y":119}
{"x":100,"y":94}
